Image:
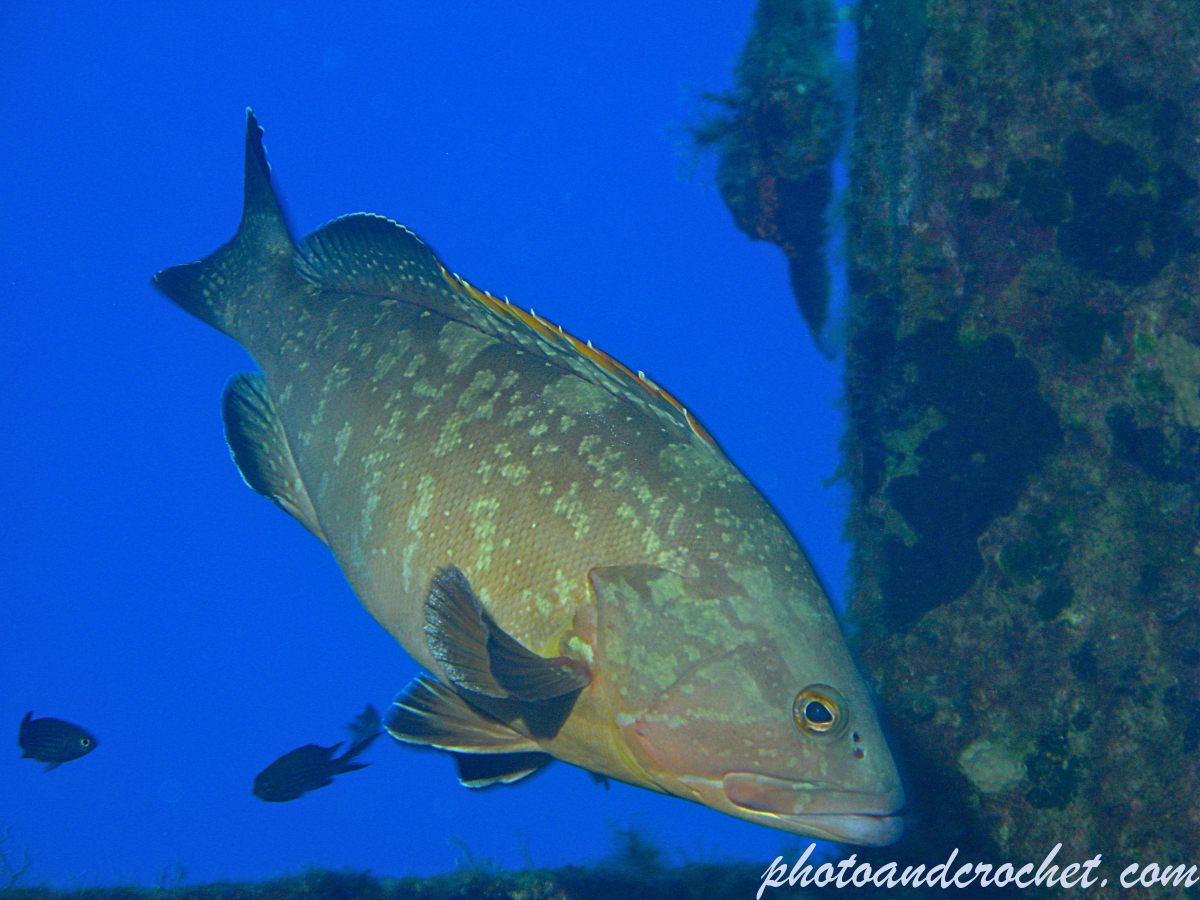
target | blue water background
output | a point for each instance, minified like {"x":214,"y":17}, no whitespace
{"x":149,"y":595}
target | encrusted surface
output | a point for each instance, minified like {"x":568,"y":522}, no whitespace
{"x":1023,"y":383}
{"x":1024,"y":448}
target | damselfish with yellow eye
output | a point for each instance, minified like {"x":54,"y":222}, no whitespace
{"x":53,"y":741}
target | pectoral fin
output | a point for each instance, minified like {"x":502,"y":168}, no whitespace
{"x":480,"y":657}
{"x":259,"y":446}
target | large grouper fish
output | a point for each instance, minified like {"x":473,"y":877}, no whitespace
{"x":581,"y":570}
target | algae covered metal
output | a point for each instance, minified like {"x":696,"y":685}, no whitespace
{"x":554,"y":538}
{"x":1023,"y":388}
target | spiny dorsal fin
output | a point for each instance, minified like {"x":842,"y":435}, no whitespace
{"x":554,"y":343}
{"x":373,"y":255}
{"x":259,"y":446}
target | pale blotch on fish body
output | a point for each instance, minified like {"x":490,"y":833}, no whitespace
{"x":551,"y":535}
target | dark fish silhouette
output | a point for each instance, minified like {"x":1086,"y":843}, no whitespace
{"x":53,"y":741}
{"x":310,"y":767}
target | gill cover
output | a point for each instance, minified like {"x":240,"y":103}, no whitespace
{"x":717,"y":709}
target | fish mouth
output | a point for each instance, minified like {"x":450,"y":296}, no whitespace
{"x":821,"y":810}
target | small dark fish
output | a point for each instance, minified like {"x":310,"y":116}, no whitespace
{"x":310,"y":767}
{"x":53,"y":741}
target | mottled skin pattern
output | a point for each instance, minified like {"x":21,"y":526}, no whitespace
{"x":427,"y":428}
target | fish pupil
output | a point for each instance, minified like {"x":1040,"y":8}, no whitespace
{"x":818,"y":713}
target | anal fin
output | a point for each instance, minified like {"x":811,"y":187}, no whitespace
{"x":259,"y":446}
{"x":475,"y":771}
{"x":429,"y":713}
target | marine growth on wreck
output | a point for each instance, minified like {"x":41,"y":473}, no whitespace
{"x":1022,"y":379}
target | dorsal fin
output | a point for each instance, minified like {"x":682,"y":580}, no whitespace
{"x":373,"y":255}
{"x":259,"y":446}
{"x":378,"y":257}
{"x":365,"y":254}
{"x":554,"y":343}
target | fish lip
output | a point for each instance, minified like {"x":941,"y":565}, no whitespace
{"x":863,"y":830}
{"x":826,"y":810}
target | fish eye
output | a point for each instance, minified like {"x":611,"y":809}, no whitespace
{"x":820,"y":712}
{"x":85,"y":742}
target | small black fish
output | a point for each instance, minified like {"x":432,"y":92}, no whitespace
{"x":310,"y":767}
{"x":53,"y":741}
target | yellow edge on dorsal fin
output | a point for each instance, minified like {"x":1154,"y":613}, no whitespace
{"x":556,"y":334}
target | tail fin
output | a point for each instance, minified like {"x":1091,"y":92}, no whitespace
{"x":365,"y":728}
{"x":345,"y":762}
{"x":366,"y":723}
{"x":257,"y":263}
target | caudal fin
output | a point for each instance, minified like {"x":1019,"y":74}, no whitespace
{"x":345,"y":762}
{"x":256,"y":264}
{"x":365,"y":728}
{"x":359,"y":746}
{"x":366,"y":723}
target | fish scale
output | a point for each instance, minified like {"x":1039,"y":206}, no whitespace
{"x":579,"y":568}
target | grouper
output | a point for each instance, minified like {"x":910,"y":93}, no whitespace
{"x":577,"y":566}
